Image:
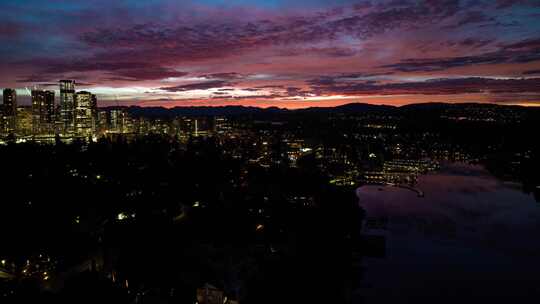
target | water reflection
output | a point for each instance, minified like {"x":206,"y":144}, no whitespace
{"x":471,"y":235}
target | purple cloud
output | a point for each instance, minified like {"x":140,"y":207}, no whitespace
{"x":520,"y":52}
{"x":504,"y":4}
{"x":229,"y":76}
{"x":325,"y":86}
{"x":197,"y":86}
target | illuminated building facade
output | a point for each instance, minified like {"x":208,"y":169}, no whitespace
{"x":9,"y":111}
{"x":221,"y":125}
{"x":24,"y":121}
{"x":102,"y":121}
{"x":43,"y":112}
{"x":120,"y":122}
{"x":84,"y":122}
{"x":67,"y":106}
{"x":116,"y":120}
{"x":38,"y":99}
{"x":94,"y":111}
{"x":48,"y":113}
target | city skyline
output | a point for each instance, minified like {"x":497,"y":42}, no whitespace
{"x":272,"y":53}
{"x":75,"y":115}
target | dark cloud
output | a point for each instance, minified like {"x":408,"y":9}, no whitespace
{"x":531,"y":72}
{"x":9,"y":29}
{"x":433,"y":87}
{"x":524,"y":45}
{"x":50,"y":84}
{"x":365,"y":75}
{"x":440,"y":64}
{"x":149,"y":73}
{"x":280,"y":92}
{"x":271,"y":87}
{"x":222,"y":97}
{"x":530,"y":98}
{"x":118,"y":70}
{"x":335,"y":52}
{"x":245,"y":97}
{"x":267,"y":96}
{"x":198,"y":86}
{"x":80,"y":83}
{"x":219,"y":39}
{"x":294,"y":91}
{"x":503,"y":4}
{"x":182,"y":43}
{"x":520,"y":52}
{"x":475,"y":43}
{"x":474,"y":17}
{"x":229,"y":76}
{"x":361,"y":6}
{"x":470,"y":43}
{"x":34,"y":79}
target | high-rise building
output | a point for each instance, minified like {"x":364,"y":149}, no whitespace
{"x":83,"y":114}
{"x":221,"y":125}
{"x":94,"y":109}
{"x":24,"y":121}
{"x":143,"y":126}
{"x":10,"y":111}
{"x":102,"y":121}
{"x":43,"y":112}
{"x":67,"y":106}
{"x":116,"y":121}
{"x":38,"y":100}
{"x":120,"y":122}
{"x":48,"y":113}
{"x":188,"y":126}
{"x":10,"y":102}
{"x":127,"y":123}
{"x":58,"y":123}
{"x":2,"y":123}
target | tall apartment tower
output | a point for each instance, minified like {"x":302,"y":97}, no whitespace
{"x":43,"y":112}
{"x":38,"y":101}
{"x":10,"y":111}
{"x":48,"y":113}
{"x":67,"y":106}
{"x":94,"y":109}
{"x":84,"y":126}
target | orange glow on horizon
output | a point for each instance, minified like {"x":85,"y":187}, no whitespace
{"x":324,"y":102}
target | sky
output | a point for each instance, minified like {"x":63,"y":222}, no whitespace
{"x":282,"y":53}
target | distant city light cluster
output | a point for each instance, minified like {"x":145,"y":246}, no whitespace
{"x":77,"y":116}
{"x":74,"y":117}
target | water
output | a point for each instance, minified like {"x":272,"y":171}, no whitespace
{"x":470,"y":236}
